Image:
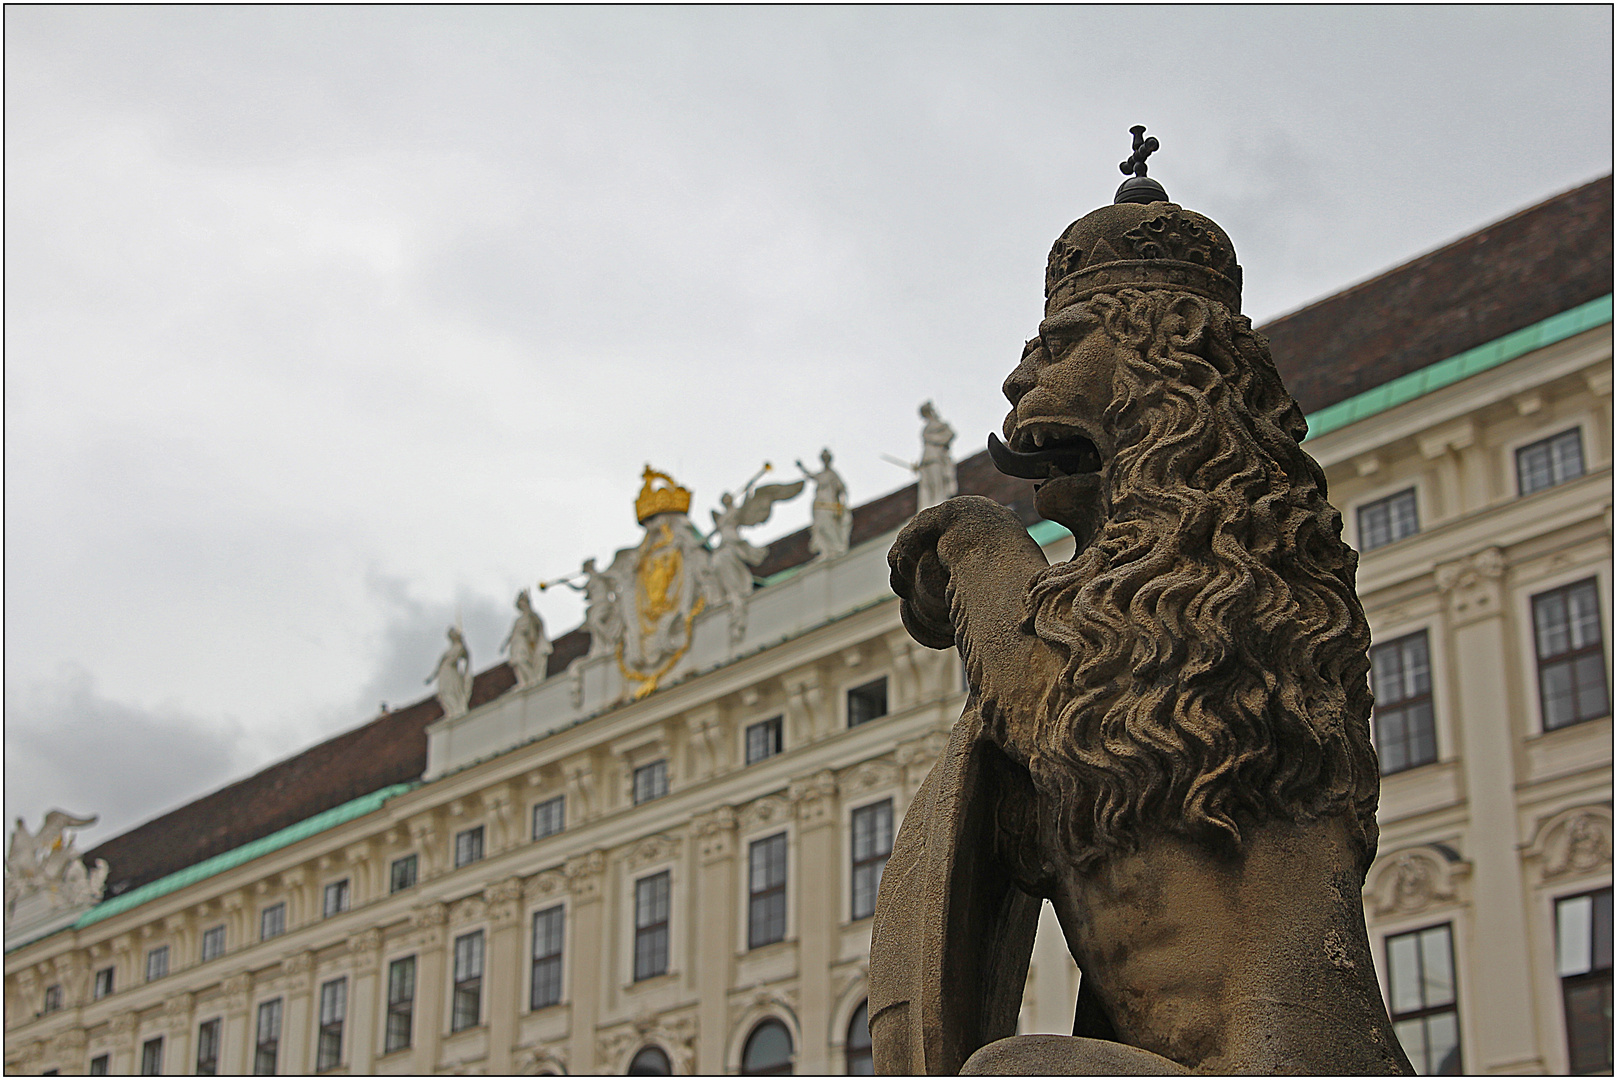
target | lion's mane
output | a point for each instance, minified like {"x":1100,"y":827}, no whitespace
{"x":1215,"y":668}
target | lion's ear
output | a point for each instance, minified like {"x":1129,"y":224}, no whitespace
{"x":1188,"y":321}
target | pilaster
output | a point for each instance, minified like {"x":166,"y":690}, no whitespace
{"x":504,"y":902}
{"x":1501,"y":1035}
{"x":715,"y":835}
{"x":364,"y":952}
{"x":297,"y":1021}
{"x":818,"y":915}
{"x":236,"y":1036}
{"x":585,"y":875}
{"x":427,"y":923}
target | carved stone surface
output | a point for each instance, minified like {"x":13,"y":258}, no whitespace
{"x":584,"y":875}
{"x":1168,"y":735}
{"x":46,"y":878}
{"x":935,"y":478}
{"x":454,"y":676}
{"x":527,"y":645}
{"x":831,"y":526}
{"x":715,"y":833}
{"x":651,"y":850}
{"x":1473,"y":584}
{"x":1573,"y":842}
{"x":1410,"y":881}
{"x":545,"y":885}
{"x":814,"y":797}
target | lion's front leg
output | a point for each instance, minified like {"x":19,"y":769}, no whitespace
{"x":962,"y":570}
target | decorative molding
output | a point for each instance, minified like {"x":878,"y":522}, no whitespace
{"x":364,"y":950}
{"x":467,"y":909}
{"x":761,"y":813}
{"x":1413,"y":879}
{"x":877,"y":774}
{"x":1573,"y":842}
{"x":531,"y":1061}
{"x":1473,"y":585}
{"x":236,"y":989}
{"x":123,"y":1025}
{"x":584,"y":874}
{"x":540,"y":886}
{"x":652,"y":849}
{"x":814,"y":797}
{"x":504,"y":902}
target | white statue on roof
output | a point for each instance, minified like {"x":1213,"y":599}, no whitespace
{"x":454,"y":676}
{"x":529,"y":647}
{"x":734,"y":558}
{"x":45,"y":871}
{"x":602,"y":617}
{"x":935,"y":474}
{"x":832,"y":526}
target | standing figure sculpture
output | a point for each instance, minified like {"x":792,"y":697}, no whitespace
{"x":46,"y":868}
{"x":527,"y":644}
{"x":734,"y":558}
{"x":831,"y":529}
{"x":935,"y":478}
{"x":1166,"y":736}
{"x":454,"y":676}
{"x":602,"y":617}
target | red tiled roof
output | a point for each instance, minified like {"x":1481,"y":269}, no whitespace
{"x":1527,"y":267}
{"x":1534,"y":264}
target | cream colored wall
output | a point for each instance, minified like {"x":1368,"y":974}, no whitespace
{"x":1502,"y":795}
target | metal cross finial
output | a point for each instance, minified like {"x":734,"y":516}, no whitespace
{"x":1143,"y":148}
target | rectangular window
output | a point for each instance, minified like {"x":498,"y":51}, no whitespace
{"x":400,"y":1004}
{"x":651,"y":926}
{"x":763,"y":739}
{"x":151,"y":1057}
{"x":208,"y":1048}
{"x":99,"y":1064}
{"x":1583,"y":959}
{"x":1420,"y":983}
{"x":267,"y":1046}
{"x":272,"y":921}
{"x":1550,"y":461}
{"x":1385,"y":520}
{"x":53,"y":998}
{"x":549,"y":817}
{"x":157,"y":963}
{"x":1571,"y":661}
{"x":867,"y":702}
{"x":766,"y":891}
{"x":468,"y":846}
{"x":1401,"y":677}
{"x":335,"y":900}
{"x":468,"y":1004}
{"x":650,"y":782}
{"x":103,"y":983}
{"x":213,"y":943}
{"x":333,"y":1011}
{"x":401,"y":875}
{"x":872,"y":843}
{"x":544,"y":987}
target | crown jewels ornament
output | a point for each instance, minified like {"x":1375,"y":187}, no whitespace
{"x":667,"y":499}
{"x":1142,"y":241}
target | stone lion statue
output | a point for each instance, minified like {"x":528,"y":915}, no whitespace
{"x":1166,"y":736}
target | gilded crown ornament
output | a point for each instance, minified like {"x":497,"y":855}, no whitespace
{"x":1142,"y":241}
{"x":670,"y":498}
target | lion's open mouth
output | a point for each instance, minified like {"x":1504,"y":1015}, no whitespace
{"x":1045,"y":450}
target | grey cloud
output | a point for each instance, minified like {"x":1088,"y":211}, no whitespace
{"x":68,"y":746}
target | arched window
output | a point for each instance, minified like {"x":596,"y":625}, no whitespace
{"x":768,"y":1051}
{"x":860,"y":1060}
{"x":650,"y":1061}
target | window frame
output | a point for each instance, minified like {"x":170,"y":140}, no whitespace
{"x":860,"y":1051}
{"x":1406,"y":705}
{"x":393,"y":874}
{"x":156,"y":963}
{"x":848,"y":692}
{"x":758,"y":1025}
{"x":53,"y":1000}
{"x":329,"y":1032}
{"x":772,"y":895}
{"x":1593,"y":975}
{"x":656,"y":775}
{"x":553,"y":960}
{"x":649,"y":928}
{"x":1385,"y":499}
{"x":558,"y":801}
{"x":773,"y":732}
{"x":466,"y":840}
{"x":279,"y":910}
{"x":856,"y":863}
{"x":209,"y":1066}
{"x":100,"y":1065}
{"x":343,"y":892}
{"x":399,"y":1006}
{"x":267,"y":1046}
{"x":151,"y":1056}
{"x":1540,"y":591}
{"x":1424,"y":1012}
{"x":466,"y":989}
{"x":213,"y":935}
{"x":1576,"y":429}
{"x":105,"y":983}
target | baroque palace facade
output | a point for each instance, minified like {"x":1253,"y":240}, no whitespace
{"x":671,"y":867}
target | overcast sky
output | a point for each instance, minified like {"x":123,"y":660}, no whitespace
{"x":325,"y":324}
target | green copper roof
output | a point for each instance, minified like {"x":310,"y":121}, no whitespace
{"x":326,"y":819}
{"x":1472,"y":361}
